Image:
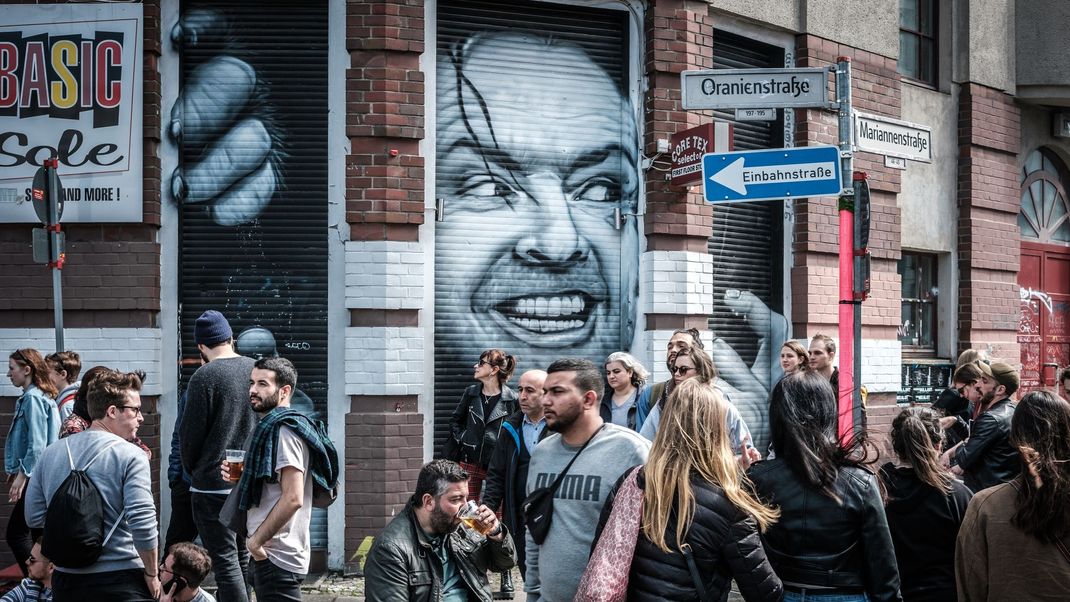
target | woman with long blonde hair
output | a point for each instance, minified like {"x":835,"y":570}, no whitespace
{"x":700,"y":526}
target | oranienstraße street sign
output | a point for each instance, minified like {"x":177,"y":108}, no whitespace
{"x":772,"y":174}
{"x":755,"y":88}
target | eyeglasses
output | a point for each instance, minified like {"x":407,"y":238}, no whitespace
{"x":137,"y":409}
{"x":682,"y":369}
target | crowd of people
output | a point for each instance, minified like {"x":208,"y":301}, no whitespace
{"x":84,"y":522}
{"x":599,"y":485}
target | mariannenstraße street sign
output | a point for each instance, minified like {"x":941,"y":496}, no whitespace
{"x":755,"y":88}
{"x":893,"y":138}
{"x":772,"y":174}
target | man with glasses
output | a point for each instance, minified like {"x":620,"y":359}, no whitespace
{"x":183,"y":571}
{"x":217,"y":417}
{"x":126,"y":568}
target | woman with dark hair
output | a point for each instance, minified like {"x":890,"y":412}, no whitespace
{"x":477,"y":421}
{"x":695,"y":501}
{"x":957,"y":403}
{"x":33,"y":428}
{"x":79,"y":419}
{"x":925,"y":507}
{"x":832,"y":541}
{"x":1023,"y":526}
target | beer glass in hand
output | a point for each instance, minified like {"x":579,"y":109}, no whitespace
{"x":235,"y":459}
{"x":469,"y":515}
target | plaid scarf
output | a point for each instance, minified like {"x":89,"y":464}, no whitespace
{"x":263,"y":446}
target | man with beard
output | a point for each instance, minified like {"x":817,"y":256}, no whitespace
{"x":286,"y":456}
{"x":507,"y":476}
{"x":422,"y":555}
{"x":988,"y":458}
{"x":572,"y":395}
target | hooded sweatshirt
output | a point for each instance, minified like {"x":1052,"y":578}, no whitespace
{"x":924,"y":522}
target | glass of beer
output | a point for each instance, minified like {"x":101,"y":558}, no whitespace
{"x":236,"y":463}
{"x":469,"y":515}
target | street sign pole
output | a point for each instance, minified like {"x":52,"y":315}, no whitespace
{"x":55,"y":253}
{"x":850,"y":366}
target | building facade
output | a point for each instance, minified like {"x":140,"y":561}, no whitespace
{"x":381,"y":189}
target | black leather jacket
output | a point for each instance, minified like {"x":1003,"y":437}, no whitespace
{"x":472,"y":435}
{"x":987,"y":458}
{"x":402,"y":565}
{"x":725,"y":545}
{"x":821,"y":542}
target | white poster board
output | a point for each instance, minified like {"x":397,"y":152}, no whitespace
{"x":71,"y":87}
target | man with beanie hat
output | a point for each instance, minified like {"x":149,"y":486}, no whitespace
{"x":988,"y":458}
{"x":217,"y":417}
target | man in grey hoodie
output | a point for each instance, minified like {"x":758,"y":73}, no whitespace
{"x":573,"y":391}
{"x":126,"y":569}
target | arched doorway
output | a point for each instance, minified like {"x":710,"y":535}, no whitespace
{"x":1044,"y":276}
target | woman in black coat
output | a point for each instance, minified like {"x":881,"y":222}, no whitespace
{"x":925,"y":507}
{"x":477,"y":421}
{"x":832,"y":540}
{"x":694,"y":492}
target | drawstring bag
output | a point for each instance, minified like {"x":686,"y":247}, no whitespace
{"x":606,"y":577}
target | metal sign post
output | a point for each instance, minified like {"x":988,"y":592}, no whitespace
{"x":48,"y":204}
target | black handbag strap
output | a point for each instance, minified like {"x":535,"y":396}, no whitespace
{"x":560,"y":477}
{"x":700,"y":589}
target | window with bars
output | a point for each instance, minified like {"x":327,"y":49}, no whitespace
{"x":917,"y":327}
{"x":917,"y":40}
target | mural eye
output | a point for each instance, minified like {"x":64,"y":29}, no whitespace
{"x":598,"y":191}
{"x":488,"y":189}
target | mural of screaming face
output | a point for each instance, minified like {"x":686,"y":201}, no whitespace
{"x":533,"y":163}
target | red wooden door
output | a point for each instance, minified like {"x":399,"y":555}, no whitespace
{"x":1044,"y":326}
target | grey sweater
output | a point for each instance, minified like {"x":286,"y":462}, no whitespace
{"x":217,"y":417}
{"x":122,"y":475}
{"x":563,"y":556}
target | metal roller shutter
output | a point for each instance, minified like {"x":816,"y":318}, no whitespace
{"x":270,"y":270}
{"x":536,"y":149}
{"x":747,"y":240}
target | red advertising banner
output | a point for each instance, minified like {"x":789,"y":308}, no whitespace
{"x":688,"y":146}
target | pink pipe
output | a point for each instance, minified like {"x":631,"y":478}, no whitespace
{"x":847,"y":344}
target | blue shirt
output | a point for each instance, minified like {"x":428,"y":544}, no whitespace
{"x":531,"y":432}
{"x":34,"y":427}
{"x":29,"y":591}
{"x":452,"y":588}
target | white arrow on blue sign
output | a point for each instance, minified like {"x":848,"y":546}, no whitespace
{"x":771,"y":174}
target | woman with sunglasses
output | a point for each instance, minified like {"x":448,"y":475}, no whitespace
{"x":477,"y":421}
{"x":33,"y":427}
{"x":694,"y":363}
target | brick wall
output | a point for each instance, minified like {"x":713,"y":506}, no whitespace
{"x":111,"y":279}
{"x":876,"y":89}
{"x":385,"y":121}
{"x":989,"y":242}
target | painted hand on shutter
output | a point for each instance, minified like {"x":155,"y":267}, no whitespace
{"x":748,"y":386}
{"x":221,"y":111}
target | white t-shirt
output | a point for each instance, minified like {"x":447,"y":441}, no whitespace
{"x":289,"y":549}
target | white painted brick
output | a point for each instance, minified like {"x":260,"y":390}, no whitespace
{"x":384,"y":275}
{"x":384,"y":361}
{"x":125,"y":349}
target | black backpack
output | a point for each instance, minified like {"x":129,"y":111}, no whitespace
{"x":74,"y":522}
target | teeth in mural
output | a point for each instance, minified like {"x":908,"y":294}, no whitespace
{"x":547,"y":326}
{"x":549,"y":307}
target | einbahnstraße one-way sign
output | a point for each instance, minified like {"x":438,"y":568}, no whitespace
{"x":784,"y":173}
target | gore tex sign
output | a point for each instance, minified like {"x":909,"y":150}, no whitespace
{"x":688,"y":147}
{"x":893,"y":138}
{"x":71,"y":88}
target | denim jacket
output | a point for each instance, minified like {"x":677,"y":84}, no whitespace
{"x":34,"y":427}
